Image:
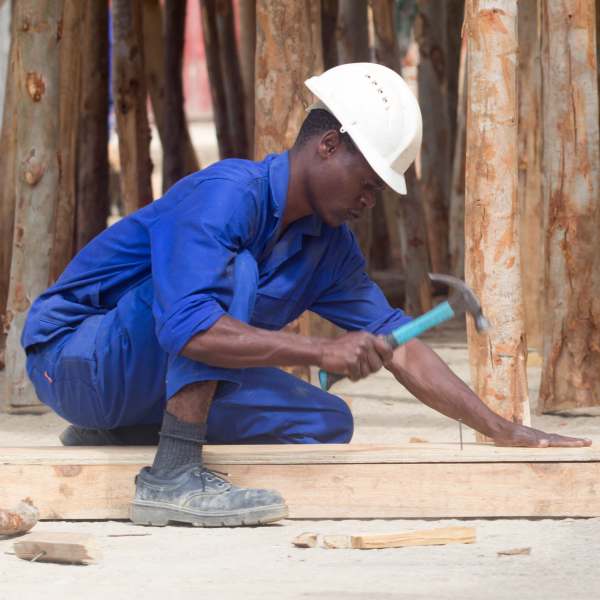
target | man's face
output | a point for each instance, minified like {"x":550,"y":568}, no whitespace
{"x":342,"y":184}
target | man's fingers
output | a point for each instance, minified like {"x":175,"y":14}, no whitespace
{"x":385,"y":351}
{"x":562,"y":441}
{"x":374,"y":360}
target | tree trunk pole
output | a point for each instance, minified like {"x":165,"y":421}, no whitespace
{"x":329,"y":13}
{"x":37,"y":39}
{"x":430,"y":32}
{"x":175,"y":130}
{"x":129,"y":92}
{"x":571,"y":370}
{"x":530,"y":174}
{"x":73,"y":20}
{"x":154,"y":65}
{"x":229,"y":65}
{"x":247,"y":10}
{"x":5,"y":14}
{"x":456,"y":228}
{"x":288,"y":51}
{"x":92,"y":162}
{"x":353,"y":46}
{"x":405,"y":213}
{"x":497,"y":358}
{"x":8,"y":143}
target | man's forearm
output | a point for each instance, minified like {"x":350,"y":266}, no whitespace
{"x":233,"y":344}
{"x":418,"y":368}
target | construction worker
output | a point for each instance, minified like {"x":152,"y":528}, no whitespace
{"x":172,"y":317}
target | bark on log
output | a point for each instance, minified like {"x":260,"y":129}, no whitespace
{"x":497,"y":358}
{"x":73,"y":19}
{"x":571,"y":370}
{"x":174,"y":167}
{"x":37,"y":39}
{"x":288,"y":51}
{"x":430,"y":33}
{"x":8,"y":143}
{"x":456,"y":233}
{"x":154,"y":65}
{"x":92,"y":162}
{"x":129,"y":93}
{"x":225,"y":78}
{"x":353,"y":46}
{"x":247,"y":10}
{"x":530,"y":175}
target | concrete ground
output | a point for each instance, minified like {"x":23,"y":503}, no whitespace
{"x":261,"y":563}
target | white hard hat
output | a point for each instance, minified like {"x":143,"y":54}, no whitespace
{"x":380,"y":113}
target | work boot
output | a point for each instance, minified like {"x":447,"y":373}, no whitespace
{"x":202,"y":498}
{"x":134,"y":435}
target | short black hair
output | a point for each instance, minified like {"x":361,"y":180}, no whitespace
{"x":318,"y":122}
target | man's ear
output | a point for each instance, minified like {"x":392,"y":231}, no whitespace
{"x":329,"y":143}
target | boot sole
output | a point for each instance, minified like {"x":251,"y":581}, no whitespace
{"x":159,"y":515}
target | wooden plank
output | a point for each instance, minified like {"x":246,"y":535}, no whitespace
{"x":289,"y":454}
{"x":325,"y":481}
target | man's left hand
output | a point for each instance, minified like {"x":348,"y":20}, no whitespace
{"x":520,"y":435}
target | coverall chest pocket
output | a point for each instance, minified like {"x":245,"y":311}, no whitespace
{"x":274,"y":312}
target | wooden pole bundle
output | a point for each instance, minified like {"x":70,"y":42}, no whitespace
{"x":492,"y":226}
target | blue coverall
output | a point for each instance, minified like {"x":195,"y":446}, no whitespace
{"x":104,"y":342}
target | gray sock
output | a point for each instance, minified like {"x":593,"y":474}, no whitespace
{"x":180,"y":445}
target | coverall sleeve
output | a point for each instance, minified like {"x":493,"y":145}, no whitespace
{"x":194,"y":244}
{"x":353,"y":301}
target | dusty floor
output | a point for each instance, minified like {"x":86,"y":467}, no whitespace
{"x":261,"y":563}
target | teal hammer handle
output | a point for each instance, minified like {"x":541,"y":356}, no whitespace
{"x":441,"y":313}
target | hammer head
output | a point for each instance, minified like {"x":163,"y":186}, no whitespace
{"x":463,"y":299}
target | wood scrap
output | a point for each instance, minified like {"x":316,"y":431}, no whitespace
{"x":428,"y":537}
{"x":515,"y":552}
{"x":305,"y":540}
{"x":20,"y":519}
{"x":58,"y":547}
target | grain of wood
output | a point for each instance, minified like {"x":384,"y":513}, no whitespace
{"x":58,"y":547}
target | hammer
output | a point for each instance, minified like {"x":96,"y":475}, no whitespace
{"x":462,"y":300}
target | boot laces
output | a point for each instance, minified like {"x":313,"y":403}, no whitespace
{"x":209,"y":475}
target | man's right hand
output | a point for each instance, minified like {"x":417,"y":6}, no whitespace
{"x":355,"y":355}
